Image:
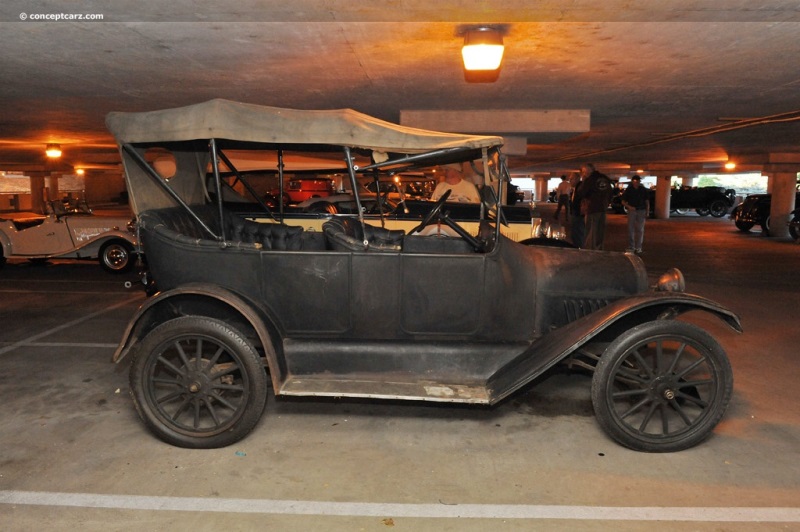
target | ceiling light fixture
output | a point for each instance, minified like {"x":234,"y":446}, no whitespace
{"x":483,"y":49}
{"x":730,"y":165}
{"x":53,"y":151}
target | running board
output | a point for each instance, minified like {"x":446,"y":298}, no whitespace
{"x":344,"y":386}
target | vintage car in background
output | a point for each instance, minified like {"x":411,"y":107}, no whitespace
{"x":359,"y":310}
{"x":71,"y":233}
{"x":794,"y":223}
{"x":755,"y":210}
{"x":302,"y":188}
{"x":716,"y":201}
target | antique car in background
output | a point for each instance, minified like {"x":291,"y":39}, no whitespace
{"x":302,"y":188}
{"x":794,"y":223}
{"x":71,"y":234}
{"x":755,"y":210}
{"x":359,"y":310}
{"x":716,"y":201}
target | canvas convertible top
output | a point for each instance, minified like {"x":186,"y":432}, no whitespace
{"x":225,"y":119}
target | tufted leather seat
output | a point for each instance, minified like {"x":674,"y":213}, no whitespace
{"x":268,"y":236}
{"x":346,"y":234}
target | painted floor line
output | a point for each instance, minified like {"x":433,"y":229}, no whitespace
{"x":67,"y":325}
{"x":363,"y":509}
{"x":65,"y":344}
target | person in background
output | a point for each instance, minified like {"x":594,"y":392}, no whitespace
{"x":578,"y":226}
{"x":594,"y":194}
{"x":636,"y":199}
{"x":463,"y":191}
{"x":563,"y":193}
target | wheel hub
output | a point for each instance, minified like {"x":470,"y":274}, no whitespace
{"x":663,"y":388}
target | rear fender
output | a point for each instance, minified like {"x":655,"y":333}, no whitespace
{"x":601,"y":326}
{"x":202,"y":300}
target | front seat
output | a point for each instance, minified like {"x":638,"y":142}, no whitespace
{"x":346,"y":234}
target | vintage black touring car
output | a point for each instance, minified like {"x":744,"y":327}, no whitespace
{"x":358,"y":310}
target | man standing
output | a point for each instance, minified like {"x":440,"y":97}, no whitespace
{"x":462,"y":190}
{"x":636,"y":199}
{"x":594,"y":194}
{"x":563,"y":193}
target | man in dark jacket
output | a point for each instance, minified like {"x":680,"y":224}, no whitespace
{"x":636,"y":200}
{"x":594,"y":194}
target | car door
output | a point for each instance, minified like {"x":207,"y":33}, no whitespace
{"x":52,"y":237}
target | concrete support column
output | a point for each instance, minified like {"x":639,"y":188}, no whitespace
{"x":688,"y":181}
{"x":663,"y":193}
{"x":541,"y":188}
{"x":52,"y":186}
{"x":37,"y":194}
{"x":783,"y":196}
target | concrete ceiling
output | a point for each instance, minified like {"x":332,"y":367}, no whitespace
{"x":678,"y":85}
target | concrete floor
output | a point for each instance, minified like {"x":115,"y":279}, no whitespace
{"x":73,"y":454}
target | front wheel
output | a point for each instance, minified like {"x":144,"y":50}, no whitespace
{"x":116,"y":256}
{"x":702,"y":211}
{"x":198,"y":383}
{"x":744,"y":227}
{"x":662,"y":386}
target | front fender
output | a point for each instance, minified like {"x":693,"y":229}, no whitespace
{"x":178,"y":302}
{"x":603,"y":325}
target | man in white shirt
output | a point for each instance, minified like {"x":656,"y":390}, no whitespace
{"x":461,"y":190}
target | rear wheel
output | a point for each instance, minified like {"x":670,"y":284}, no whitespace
{"x":2,"y":257}
{"x":765,"y":224}
{"x":116,"y":256}
{"x":744,"y":227}
{"x":662,"y":386}
{"x":718,"y":208}
{"x":702,"y":211}
{"x":198,"y":383}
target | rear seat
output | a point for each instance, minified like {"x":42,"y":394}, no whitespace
{"x":267,"y":236}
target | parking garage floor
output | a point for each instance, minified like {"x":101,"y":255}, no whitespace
{"x":73,"y":454}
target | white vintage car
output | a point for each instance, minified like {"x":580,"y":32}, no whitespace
{"x":74,"y":235}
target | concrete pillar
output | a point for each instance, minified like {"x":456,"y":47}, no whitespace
{"x":688,"y":181}
{"x":52,"y":185}
{"x":541,"y":188}
{"x":37,"y":194}
{"x":783,"y":196}
{"x":663,"y":193}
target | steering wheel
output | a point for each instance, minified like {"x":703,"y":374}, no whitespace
{"x":433,"y":213}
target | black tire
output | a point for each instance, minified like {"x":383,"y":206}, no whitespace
{"x":718,"y":208}
{"x":2,"y":256}
{"x":662,"y":386}
{"x":702,"y":211}
{"x":765,"y":224}
{"x":116,"y":256}
{"x":794,"y":232}
{"x":198,"y":383}
{"x":744,"y":227}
